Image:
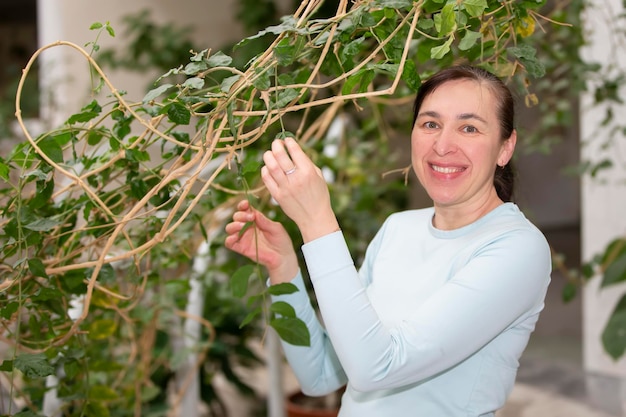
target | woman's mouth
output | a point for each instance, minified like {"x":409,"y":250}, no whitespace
{"x":446,"y":170}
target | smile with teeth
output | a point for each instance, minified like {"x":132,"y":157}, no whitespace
{"x":446,"y":170}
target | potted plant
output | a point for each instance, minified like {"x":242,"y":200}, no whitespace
{"x":104,"y":216}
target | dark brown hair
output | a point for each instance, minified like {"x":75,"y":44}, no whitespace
{"x":504,"y":177}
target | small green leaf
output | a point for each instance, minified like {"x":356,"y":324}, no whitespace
{"x":4,"y":171}
{"x":283,"y":308}
{"x":395,"y":4}
{"x":110,"y":30}
{"x":28,"y":413}
{"x":282,"y":289}
{"x":82,"y":117}
{"x":469,"y":40}
{"x":194,"y":83}
{"x":239,"y":280}
{"x":292,"y":331}
{"x":439,"y":52}
{"x":615,"y":272}
{"x":251,"y":316}
{"x":37,"y":268}
{"x":411,"y":76}
{"x":96,"y":409}
{"x":6,"y":366}
{"x":102,"y":329}
{"x":106,"y":274}
{"x":445,"y":22}
{"x":228,"y":82}
{"x":219,"y":59}
{"x":42,"y":225}
{"x":262,"y":80}
{"x":569,"y":292}
{"x":475,"y":8}
{"x":96,"y":25}
{"x":10,"y":309}
{"x":614,"y":333}
{"x":51,"y":148}
{"x":102,"y":392}
{"x":178,"y":113}
{"x":155,"y":92}
{"x":34,"y":365}
{"x":285,"y":97}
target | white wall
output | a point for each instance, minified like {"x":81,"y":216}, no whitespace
{"x":603,"y":215}
{"x":213,"y":21}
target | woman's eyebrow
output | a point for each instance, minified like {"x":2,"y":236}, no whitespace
{"x":429,"y":114}
{"x":467,"y":116}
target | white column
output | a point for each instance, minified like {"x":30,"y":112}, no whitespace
{"x":603,"y":209}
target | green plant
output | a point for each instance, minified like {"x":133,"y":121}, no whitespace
{"x":109,"y":210}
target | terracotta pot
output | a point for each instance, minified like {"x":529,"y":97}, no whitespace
{"x":300,"y":405}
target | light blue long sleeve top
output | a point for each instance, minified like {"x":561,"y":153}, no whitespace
{"x":432,"y":324}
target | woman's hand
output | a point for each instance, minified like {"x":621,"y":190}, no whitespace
{"x":299,"y":188}
{"x":265,"y":242}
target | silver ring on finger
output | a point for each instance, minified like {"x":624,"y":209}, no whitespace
{"x":290,"y":171}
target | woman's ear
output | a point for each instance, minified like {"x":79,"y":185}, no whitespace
{"x":508,"y":147}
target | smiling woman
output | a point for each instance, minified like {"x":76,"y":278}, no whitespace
{"x":435,"y":320}
{"x":462,"y":140}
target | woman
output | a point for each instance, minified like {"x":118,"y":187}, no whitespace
{"x":436,"y":318}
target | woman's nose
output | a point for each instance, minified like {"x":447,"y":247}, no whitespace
{"x":444,"y":143}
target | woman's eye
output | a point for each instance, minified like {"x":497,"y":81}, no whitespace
{"x":470,"y":129}
{"x":430,"y":125}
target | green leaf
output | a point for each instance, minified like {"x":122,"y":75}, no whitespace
{"x":156,"y":92}
{"x":219,"y":59}
{"x":96,"y":409}
{"x":469,"y":39}
{"x":136,"y":155}
{"x":106,"y":274}
{"x":251,"y":316}
{"x":239,"y":280}
{"x":28,"y":413}
{"x":569,"y":292}
{"x":6,"y":366}
{"x":228,"y":82}
{"x":178,"y":113}
{"x":395,"y":4}
{"x":102,"y":392}
{"x":36,"y":267}
{"x":82,"y":117}
{"x":285,"y":97}
{"x":411,"y":76}
{"x":110,"y":30}
{"x":195,"y":67}
{"x":10,"y":309}
{"x":102,"y":329}
{"x":475,"y":8}
{"x":615,"y":272}
{"x":283,"y":308}
{"x":445,"y":22}
{"x":292,"y":331}
{"x":4,"y":171}
{"x":361,"y":80}
{"x":194,"y":83}
{"x":282,"y":289}
{"x":96,"y":25}
{"x":42,"y":225}
{"x":262,"y":80}
{"x":51,"y":148}
{"x":34,"y":365}
{"x":614,"y":333}
{"x":439,"y":52}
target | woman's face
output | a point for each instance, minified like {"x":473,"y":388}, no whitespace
{"x":456,"y":144}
